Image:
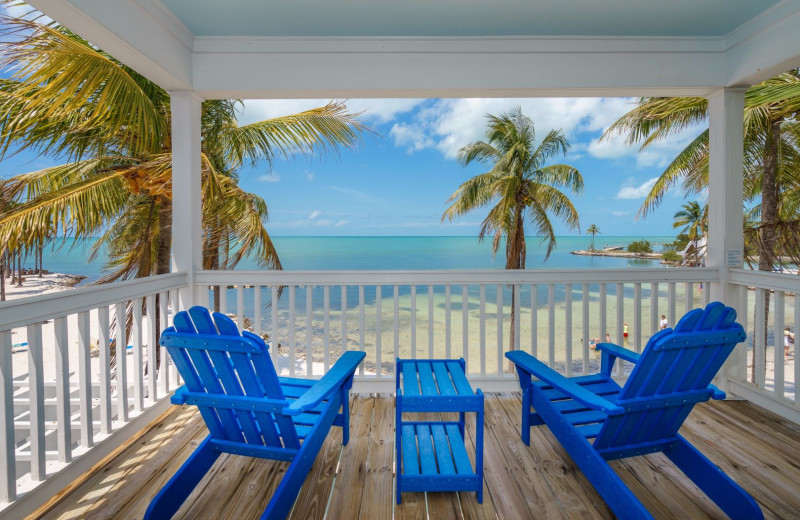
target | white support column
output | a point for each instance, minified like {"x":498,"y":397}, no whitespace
{"x":725,"y":178}
{"x":186,"y":190}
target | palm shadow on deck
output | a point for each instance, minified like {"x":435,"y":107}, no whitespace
{"x":758,"y":449}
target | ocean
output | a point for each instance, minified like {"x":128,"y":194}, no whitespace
{"x":389,"y":253}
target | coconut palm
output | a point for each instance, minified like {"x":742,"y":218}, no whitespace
{"x":691,"y":218}
{"x":67,"y":98}
{"x":593,"y":230}
{"x":770,"y":120}
{"x":518,"y":187}
{"x":770,"y":159}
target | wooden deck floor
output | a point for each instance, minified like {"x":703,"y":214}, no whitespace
{"x":756,"y":448}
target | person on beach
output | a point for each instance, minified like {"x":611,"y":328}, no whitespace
{"x":664,"y":322}
{"x":788,"y":341}
{"x":593,"y":343}
{"x":624,"y":330}
{"x":608,"y":337}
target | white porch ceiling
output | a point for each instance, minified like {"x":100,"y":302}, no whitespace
{"x":465,"y":17}
{"x":442,"y":48}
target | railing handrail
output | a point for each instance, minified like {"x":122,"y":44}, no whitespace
{"x":449,"y":277}
{"x":34,"y":309}
{"x":766,"y":280}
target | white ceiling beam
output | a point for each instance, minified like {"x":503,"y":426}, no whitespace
{"x":766,"y":46}
{"x":141,"y":34}
{"x":456,"y":67}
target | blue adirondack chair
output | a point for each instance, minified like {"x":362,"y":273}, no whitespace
{"x":672,"y":374}
{"x":248,"y":409}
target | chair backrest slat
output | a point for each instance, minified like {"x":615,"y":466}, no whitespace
{"x":214,"y":358}
{"x":674,"y":362}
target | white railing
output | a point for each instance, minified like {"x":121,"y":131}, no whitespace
{"x":468,"y":314}
{"x":769,"y":304}
{"x":61,"y":416}
{"x":77,"y":376}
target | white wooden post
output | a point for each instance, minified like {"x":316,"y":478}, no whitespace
{"x":186,"y":190}
{"x":725,"y":233}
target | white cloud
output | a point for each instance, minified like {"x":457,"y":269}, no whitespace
{"x":314,"y":214}
{"x":637,"y":192}
{"x":270,"y":177}
{"x":449,"y":124}
{"x":341,"y":223}
{"x":309,"y":175}
{"x":620,"y":213}
{"x":374,"y":110}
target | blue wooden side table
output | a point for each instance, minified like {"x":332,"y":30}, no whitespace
{"x":432,"y":455}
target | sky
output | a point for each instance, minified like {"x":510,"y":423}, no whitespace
{"x":397,"y":180}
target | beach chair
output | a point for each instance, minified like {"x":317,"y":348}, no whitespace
{"x":248,"y":409}
{"x":672,"y":374}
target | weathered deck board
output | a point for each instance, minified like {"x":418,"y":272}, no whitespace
{"x":757,"y":449}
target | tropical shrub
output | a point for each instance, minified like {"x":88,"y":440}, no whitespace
{"x":640,"y":247}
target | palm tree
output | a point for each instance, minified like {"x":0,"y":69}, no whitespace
{"x":69,"y":99}
{"x":771,"y":151}
{"x":593,"y":230}
{"x":690,"y":218}
{"x":519,"y":186}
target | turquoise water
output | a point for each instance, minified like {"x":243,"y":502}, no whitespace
{"x":391,"y":253}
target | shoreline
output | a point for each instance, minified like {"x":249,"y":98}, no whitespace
{"x":32,"y":285}
{"x":617,"y":253}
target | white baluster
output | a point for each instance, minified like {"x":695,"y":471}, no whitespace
{"x":36,"y":396}
{"x":85,"y":379}
{"x":309,"y":332}
{"x":122,"y":361}
{"x":105,"y":370}
{"x":63,"y":414}
{"x":378,"y":332}
{"x":8,"y":470}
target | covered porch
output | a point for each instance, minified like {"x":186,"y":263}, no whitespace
{"x":753,"y":446}
{"x":56,"y":426}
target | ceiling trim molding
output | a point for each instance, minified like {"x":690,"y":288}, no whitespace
{"x":164,"y":17}
{"x":450,"y":44}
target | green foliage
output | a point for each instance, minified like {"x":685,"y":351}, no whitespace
{"x":681,"y":241}
{"x":64,"y":97}
{"x":671,"y":256}
{"x":519,"y":186}
{"x":640,"y":247}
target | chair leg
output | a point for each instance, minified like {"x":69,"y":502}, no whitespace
{"x":719,"y":487}
{"x":615,"y":493}
{"x":283,"y":500}
{"x":345,"y":416}
{"x":174,"y":493}
{"x":526,"y":416}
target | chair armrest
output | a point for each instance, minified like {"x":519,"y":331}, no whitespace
{"x":179,"y":397}
{"x":617,"y":351}
{"x":716,"y":393}
{"x":610,"y":353}
{"x":339,"y":374}
{"x":536,"y":368}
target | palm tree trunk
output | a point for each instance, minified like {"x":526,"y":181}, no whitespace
{"x":515,"y":259}
{"x":769,"y":214}
{"x":3,"y":276}
{"x":19,"y":269}
{"x":40,"y":251}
